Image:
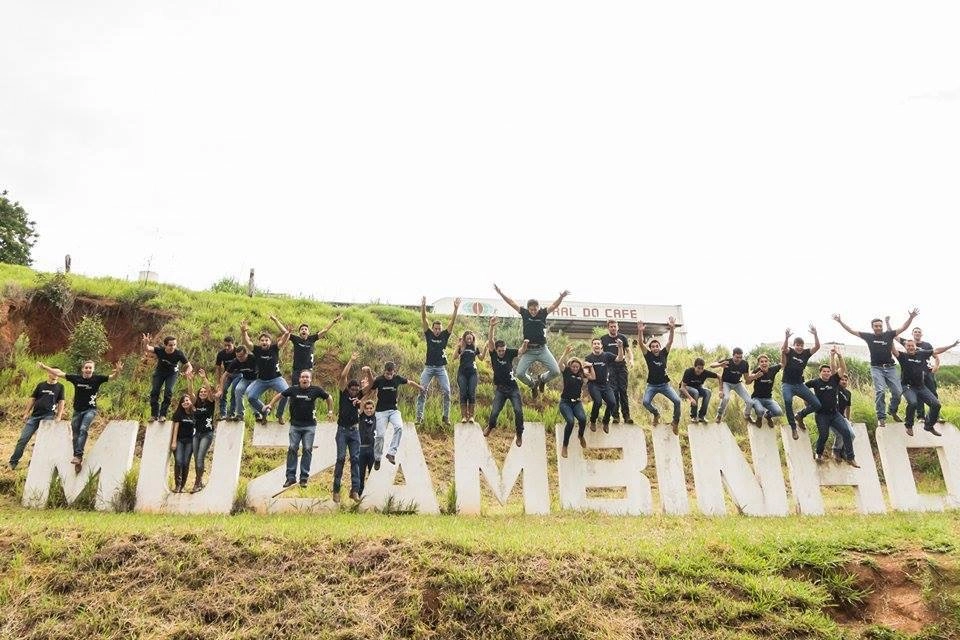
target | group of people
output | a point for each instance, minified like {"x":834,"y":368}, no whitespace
{"x":368,"y":403}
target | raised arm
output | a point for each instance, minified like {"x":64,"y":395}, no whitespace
{"x":423,"y":314}
{"x":285,"y":332}
{"x":453,"y":318}
{"x":846,"y":327}
{"x":244,"y":335}
{"x":556,"y":303}
{"x":620,"y":355}
{"x":640,"y":343}
{"x":836,"y":361}
{"x":785,"y":347}
{"x":145,"y":342}
{"x":939,"y":350}
{"x":672,"y":324}
{"x":492,"y":339}
{"x":513,"y":305}
{"x":906,"y":325}
{"x":51,"y":370}
{"x":327,"y":328}
{"x":117,"y":368}
{"x":345,"y":374}
{"x":816,"y":340}
{"x":563,"y":358}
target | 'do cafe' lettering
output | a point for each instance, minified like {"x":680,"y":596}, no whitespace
{"x":718,"y":465}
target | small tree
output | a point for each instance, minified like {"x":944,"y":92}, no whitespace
{"x":88,"y":340}
{"x":17,"y":233}
{"x":228,"y":285}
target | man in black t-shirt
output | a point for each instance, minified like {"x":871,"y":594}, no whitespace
{"x":883,"y":369}
{"x":827,"y":387}
{"x":929,"y":380}
{"x":224,"y":356}
{"x":302,"y":343}
{"x":535,"y":334}
{"x":794,"y":360}
{"x":267,"y":356}
{"x":762,"y":378}
{"x":243,"y":368}
{"x":303,"y":424}
{"x":46,"y":403}
{"x":86,"y":386}
{"x":169,"y":359}
{"x":913,"y":368}
{"x":368,"y":434}
{"x":504,"y":382}
{"x":618,"y":376}
{"x":436,"y":361}
{"x":387,"y":385}
{"x":348,"y":434}
{"x":658,"y":382}
{"x":599,"y":387}
{"x":731,"y":381}
{"x":693,"y":389}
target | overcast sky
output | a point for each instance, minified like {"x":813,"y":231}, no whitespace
{"x":760,"y":164}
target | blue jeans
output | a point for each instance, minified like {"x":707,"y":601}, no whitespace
{"x":181,"y":457}
{"x":930,"y":382}
{"x":919,"y":396}
{"x":764,"y":406}
{"x":300,"y":435}
{"x":167,"y":381}
{"x":882,"y":378}
{"x":239,"y":393}
{"x":429,"y":373}
{"x":602,"y":394}
{"x":666,"y":390}
{"x":365,"y":465}
{"x":741,"y":391}
{"x":80,"y":425}
{"x":700,"y":395}
{"x":839,"y":424}
{"x":392,"y":417}
{"x":255,"y":390}
{"x":537,"y":354}
{"x":29,"y":428}
{"x":467,"y":382}
{"x":500,"y":397}
{"x":348,"y":438}
{"x":201,"y":444}
{"x":794,"y":389}
{"x":229,"y":388}
{"x":571,"y":409}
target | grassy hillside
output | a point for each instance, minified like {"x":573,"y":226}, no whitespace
{"x":67,"y":573}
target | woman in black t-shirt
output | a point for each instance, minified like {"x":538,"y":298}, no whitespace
{"x":468,"y":352}
{"x":181,"y":441}
{"x":205,"y":421}
{"x":571,"y":405}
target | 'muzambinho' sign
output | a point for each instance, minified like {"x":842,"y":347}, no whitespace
{"x":719,"y":468}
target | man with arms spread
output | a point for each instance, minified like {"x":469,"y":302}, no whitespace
{"x":657,"y":379}
{"x":169,"y":359}
{"x":913,"y":369}
{"x":794,"y":360}
{"x":826,"y":387}
{"x":267,"y":356}
{"x":693,"y":389}
{"x":436,"y":361}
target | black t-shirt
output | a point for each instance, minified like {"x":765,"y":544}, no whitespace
{"x":826,"y":393}
{"x":503,"y":368}
{"x":435,"y":346}
{"x":368,"y":429}
{"x":879,"y":346}
{"x":45,"y":398}
{"x":913,"y":367}
{"x":692,"y":379}
{"x":387,"y":391}
{"x":169,"y":362}
{"x":303,"y":352}
{"x":601,"y":363}
{"x":468,"y":358}
{"x":795,"y":363}
{"x":610,"y":346}
{"x":303,"y":403}
{"x":734,"y":371}
{"x":843,"y":399}
{"x":268,"y":361}
{"x":923,"y":344}
{"x":203,"y":416}
{"x":572,"y":385}
{"x":85,"y":390}
{"x":534,"y":327}
{"x":763,"y":386}
{"x":187,"y":424}
{"x":657,"y":367}
{"x":247,"y":368}
{"x":224,"y":357}
{"x":347,"y":412}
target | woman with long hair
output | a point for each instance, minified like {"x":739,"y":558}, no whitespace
{"x":571,"y":406}
{"x":468,"y":351}
{"x":205,"y":421}
{"x":181,"y":440}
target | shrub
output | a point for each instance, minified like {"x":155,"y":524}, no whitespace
{"x":88,"y":341}
{"x":228,"y":285}
{"x":55,"y":289}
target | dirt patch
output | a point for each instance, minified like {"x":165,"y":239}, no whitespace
{"x":892,"y":588}
{"x":49,"y":331}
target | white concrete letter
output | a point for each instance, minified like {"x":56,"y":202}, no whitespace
{"x":418,"y":488}
{"x":893,"y":443}
{"x":263,"y":492}
{"x":671,"y":480}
